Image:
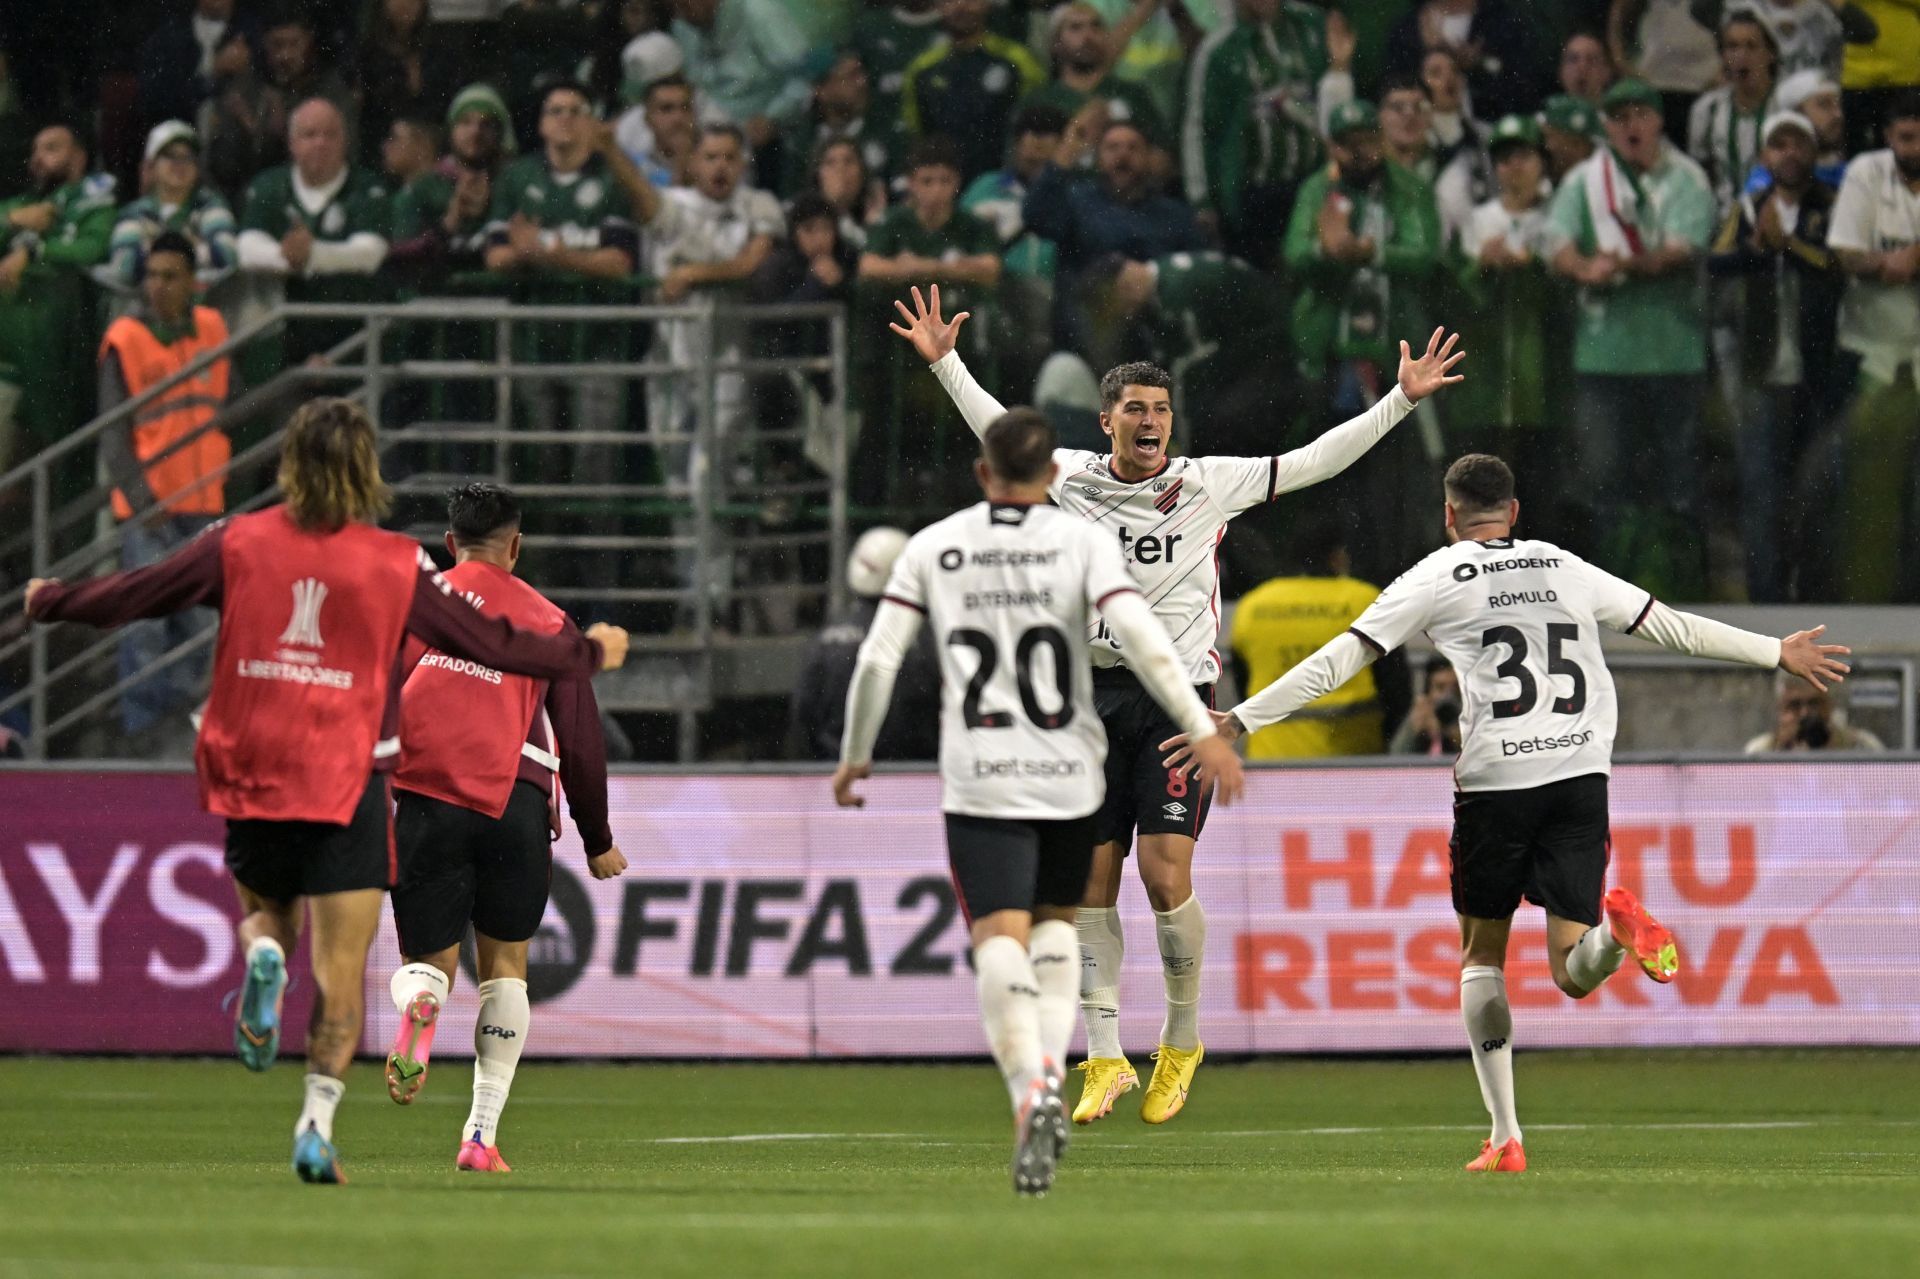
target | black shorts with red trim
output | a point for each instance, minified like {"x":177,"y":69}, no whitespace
{"x":1547,"y":844}
{"x":459,"y":867}
{"x":1017,"y":864}
{"x":1143,"y":794}
{"x":284,"y":860}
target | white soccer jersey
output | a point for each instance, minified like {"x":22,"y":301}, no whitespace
{"x":1520,"y":622}
{"x":1008,"y":591}
{"x":1168,"y":531}
{"x":1168,"y":526}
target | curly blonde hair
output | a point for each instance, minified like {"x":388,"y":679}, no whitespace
{"x":329,"y":467}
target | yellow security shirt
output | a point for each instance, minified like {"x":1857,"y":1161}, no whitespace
{"x":1279,"y":624}
{"x":1893,"y":60}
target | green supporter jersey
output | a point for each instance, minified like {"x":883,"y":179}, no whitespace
{"x":1206,"y":301}
{"x":1642,"y":327}
{"x":887,"y":43}
{"x":970,"y":95}
{"x":585,"y":209}
{"x":82,"y":223}
{"x":962,"y":236}
{"x":422,"y":206}
{"x":1512,"y":319}
{"x":1346,"y":311}
{"x":1126,"y":100}
{"x":1252,"y":107}
{"x":359,"y":207}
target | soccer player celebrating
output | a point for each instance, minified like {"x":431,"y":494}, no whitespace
{"x":301,"y":726}
{"x":1169,"y":515}
{"x":479,"y":752}
{"x":1010,"y":585}
{"x":1519,"y":620}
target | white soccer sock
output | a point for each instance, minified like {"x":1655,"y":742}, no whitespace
{"x":323,"y":1096}
{"x":1010,"y":1011}
{"x":1102,"y":948}
{"x":1055,"y":973}
{"x":1182,"y":934}
{"x":1594,"y":958}
{"x":499,"y":1034}
{"x":1483,"y":1005}
{"x":414,"y":978}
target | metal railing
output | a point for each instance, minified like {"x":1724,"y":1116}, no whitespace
{"x":698,"y":491}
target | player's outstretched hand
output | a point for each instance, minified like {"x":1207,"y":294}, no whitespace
{"x":1802,"y":654}
{"x":1183,"y":753}
{"x":33,"y":589}
{"x":1219,"y":768}
{"x":609,"y":864}
{"x":931,"y":336}
{"x":843,"y":779}
{"x":613,"y":644}
{"x":1422,"y":377}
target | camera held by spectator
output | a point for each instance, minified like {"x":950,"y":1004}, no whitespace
{"x":1432,"y":725}
{"x":1805,"y":719}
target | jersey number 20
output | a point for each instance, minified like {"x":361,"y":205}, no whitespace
{"x":1029,"y":642}
{"x":1515,"y":668}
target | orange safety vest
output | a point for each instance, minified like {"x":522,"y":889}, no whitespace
{"x":191,"y":471}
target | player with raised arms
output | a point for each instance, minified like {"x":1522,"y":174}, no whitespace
{"x":1009,"y":586}
{"x":1168,"y":515}
{"x":301,"y":727}
{"x":480,"y":752}
{"x":1520,"y":621}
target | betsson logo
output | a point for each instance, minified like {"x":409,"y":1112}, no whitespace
{"x":1530,"y":745}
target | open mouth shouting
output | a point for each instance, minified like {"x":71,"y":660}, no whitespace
{"x":1148,"y":449}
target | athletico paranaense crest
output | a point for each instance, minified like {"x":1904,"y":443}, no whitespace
{"x":1166,"y":501}
{"x":303,"y":628}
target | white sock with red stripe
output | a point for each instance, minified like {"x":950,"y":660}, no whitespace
{"x":414,"y":979}
{"x":1182,"y":934}
{"x":1010,"y":1012}
{"x":1594,"y":958}
{"x":1102,"y":948}
{"x":499,"y":1034}
{"x":1483,"y":1005}
{"x":1056,"y":973}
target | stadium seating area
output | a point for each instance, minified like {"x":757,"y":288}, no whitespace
{"x":1262,"y":196}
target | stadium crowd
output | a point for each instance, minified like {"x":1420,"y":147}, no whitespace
{"x":1681,"y":237}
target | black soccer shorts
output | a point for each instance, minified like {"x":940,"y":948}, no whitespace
{"x":284,"y":860}
{"x":1016,"y":864}
{"x":1547,"y":844}
{"x":459,"y":867}
{"x":1143,"y":794}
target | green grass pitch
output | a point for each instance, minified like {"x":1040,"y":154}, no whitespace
{"x":1654,"y":1164}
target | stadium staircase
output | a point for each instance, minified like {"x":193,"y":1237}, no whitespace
{"x":720,"y":567}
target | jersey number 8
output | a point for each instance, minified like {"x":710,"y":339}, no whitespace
{"x":1029,"y":642}
{"x":1515,"y":668}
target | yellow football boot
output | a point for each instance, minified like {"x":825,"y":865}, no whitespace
{"x":1103,"y":1081}
{"x":1172,"y":1076}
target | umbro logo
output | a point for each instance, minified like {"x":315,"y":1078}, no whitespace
{"x":303,"y":628}
{"x":1090,"y":490}
{"x":1175,"y":810}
